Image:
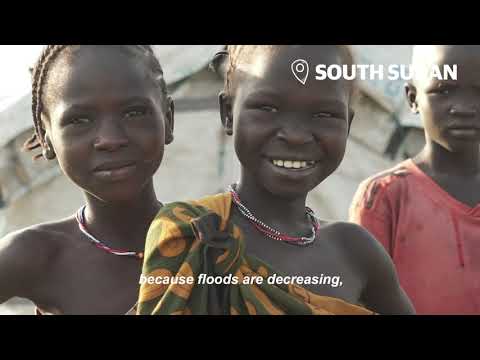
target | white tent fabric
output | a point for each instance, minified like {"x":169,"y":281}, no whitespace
{"x":181,"y":61}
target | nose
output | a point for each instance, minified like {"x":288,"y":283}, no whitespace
{"x":110,"y":136}
{"x":293,"y":132}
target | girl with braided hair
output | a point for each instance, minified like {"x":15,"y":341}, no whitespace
{"x":104,"y":113}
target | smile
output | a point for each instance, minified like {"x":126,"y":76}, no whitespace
{"x":293,"y":164}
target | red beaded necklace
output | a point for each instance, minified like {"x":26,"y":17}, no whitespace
{"x":272,"y":233}
{"x":80,"y":216}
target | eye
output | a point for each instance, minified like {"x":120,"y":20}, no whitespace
{"x":79,"y":121}
{"x":135,"y":113}
{"x":443,"y":90}
{"x":268,"y":108}
{"x":322,"y":115}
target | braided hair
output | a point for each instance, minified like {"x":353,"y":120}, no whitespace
{"x":41,"y":70}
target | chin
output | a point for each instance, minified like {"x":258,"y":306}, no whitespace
{"x":290,"y":185}
{"x":118,"y":193}
{"x":290,"y":191}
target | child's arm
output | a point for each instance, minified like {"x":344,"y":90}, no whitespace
{"x":20,"y":258}
{"x":382,"y":292}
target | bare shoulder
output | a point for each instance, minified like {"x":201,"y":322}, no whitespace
{"x":382,"y":291}
{"x":355,"y":241}
{"x":27,"y":256}
{"x":345,"y":231}
{"x":34,"y":246}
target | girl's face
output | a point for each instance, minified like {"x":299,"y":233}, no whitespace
{"x":105,"y":121}
{"x":288,"y":136}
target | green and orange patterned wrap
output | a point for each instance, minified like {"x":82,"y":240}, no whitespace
{"x":181,"y":241}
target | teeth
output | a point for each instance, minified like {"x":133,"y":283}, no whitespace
{"x":289,"y":164}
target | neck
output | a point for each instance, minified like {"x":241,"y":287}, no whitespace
{"x":284,"y":214}
{"x":122,"y":224}
{"x":439,"y":160}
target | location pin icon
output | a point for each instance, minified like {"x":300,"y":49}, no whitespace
{"x":300,"y":70}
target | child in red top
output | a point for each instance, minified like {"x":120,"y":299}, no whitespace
{"x":426,"y":210}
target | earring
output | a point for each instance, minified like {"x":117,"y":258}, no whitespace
{"x":229,"y":130}
{"x":48,"y":154}
{"x":47,"y":151}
